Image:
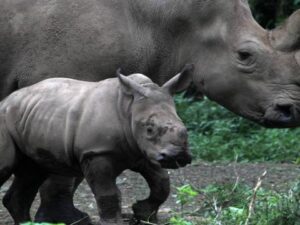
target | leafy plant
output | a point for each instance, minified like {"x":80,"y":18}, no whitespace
{"x":177,"y":220}
{"x":229,"y":204}
{"x":185,"y":195}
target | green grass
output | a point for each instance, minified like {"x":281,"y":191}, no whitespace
{"x":215,"y":134}
{"x":270,"y":207}
{"x":229,"y":205}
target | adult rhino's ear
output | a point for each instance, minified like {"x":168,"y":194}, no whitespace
{"x":286,"y":37}
{"x":181,"y":81}
{"x":129,"y":86}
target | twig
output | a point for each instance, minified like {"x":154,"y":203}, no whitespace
{"x":78,"y":221}
{"x":252,"y":202}
{"x":218,"y":211}
{"x":237,"y":180}
{"x":147,"y":222}
{"x":192,"y":213}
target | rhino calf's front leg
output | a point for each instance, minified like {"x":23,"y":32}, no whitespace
{"x":101,"y":177}
{"x":159,"y":183}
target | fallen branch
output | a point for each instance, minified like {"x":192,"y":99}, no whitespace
{"x":252,"y":202}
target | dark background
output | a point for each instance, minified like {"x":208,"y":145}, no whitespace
{"x":271,"y":12}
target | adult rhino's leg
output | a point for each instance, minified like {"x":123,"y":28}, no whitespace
{"x":57,"y":201}
{"x":19,"y":197}
{"x":159,"y":184}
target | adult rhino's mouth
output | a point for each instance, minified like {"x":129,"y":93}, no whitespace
{"x":284,"y":115}
{"x":281,"y":116}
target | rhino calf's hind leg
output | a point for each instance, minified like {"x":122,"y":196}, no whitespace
{"x":19,"y":197}
{"x":57,"y":201}
{"x":7,"y":153}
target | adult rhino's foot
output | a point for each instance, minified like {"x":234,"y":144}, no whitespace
{"x":144,"y":211}
{"x":62,"y":213}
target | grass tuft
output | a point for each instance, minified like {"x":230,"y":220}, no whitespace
{"x":215,"y":134}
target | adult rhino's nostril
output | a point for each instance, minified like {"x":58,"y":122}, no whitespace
{"x":286,"y":111}
{"x":280,"y":115}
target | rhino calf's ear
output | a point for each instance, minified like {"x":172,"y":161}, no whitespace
{"x":181,"y":81}
{"x":129,"y":86}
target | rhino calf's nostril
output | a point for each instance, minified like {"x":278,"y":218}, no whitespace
{"x":162,"y":157}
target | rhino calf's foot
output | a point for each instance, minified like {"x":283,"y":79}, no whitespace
{"x":159,"y":184}
{"x":145,"y":211}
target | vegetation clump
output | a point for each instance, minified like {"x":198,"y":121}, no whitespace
{"x":230,"y":204}
{"x":215,"y":134}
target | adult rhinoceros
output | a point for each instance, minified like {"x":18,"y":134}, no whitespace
{"x":247,"y":69}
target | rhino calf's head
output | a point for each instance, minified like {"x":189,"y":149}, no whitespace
{"x":158,"y":131}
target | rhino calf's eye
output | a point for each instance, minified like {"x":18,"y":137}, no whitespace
{"x":150,"y":130}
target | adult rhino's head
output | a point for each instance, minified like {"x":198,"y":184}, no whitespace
{"x":249,"y":70}
{"x":155,"y":125}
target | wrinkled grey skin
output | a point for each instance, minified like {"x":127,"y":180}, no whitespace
{"x":91,"y":129}
{"x":251,"y":71}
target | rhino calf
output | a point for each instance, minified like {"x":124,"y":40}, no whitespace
{"x":95,"y":130}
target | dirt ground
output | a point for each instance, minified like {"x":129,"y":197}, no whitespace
{"x":201,"y":174}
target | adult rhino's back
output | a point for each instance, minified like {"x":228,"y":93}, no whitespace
{"x":70,"y":38}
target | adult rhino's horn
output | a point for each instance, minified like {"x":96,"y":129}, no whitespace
{"x":130,"y":86}
{"x":286,"y":37}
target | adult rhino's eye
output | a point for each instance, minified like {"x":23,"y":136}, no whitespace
{"x":246,"y":60}
{"x":243,"y":56}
